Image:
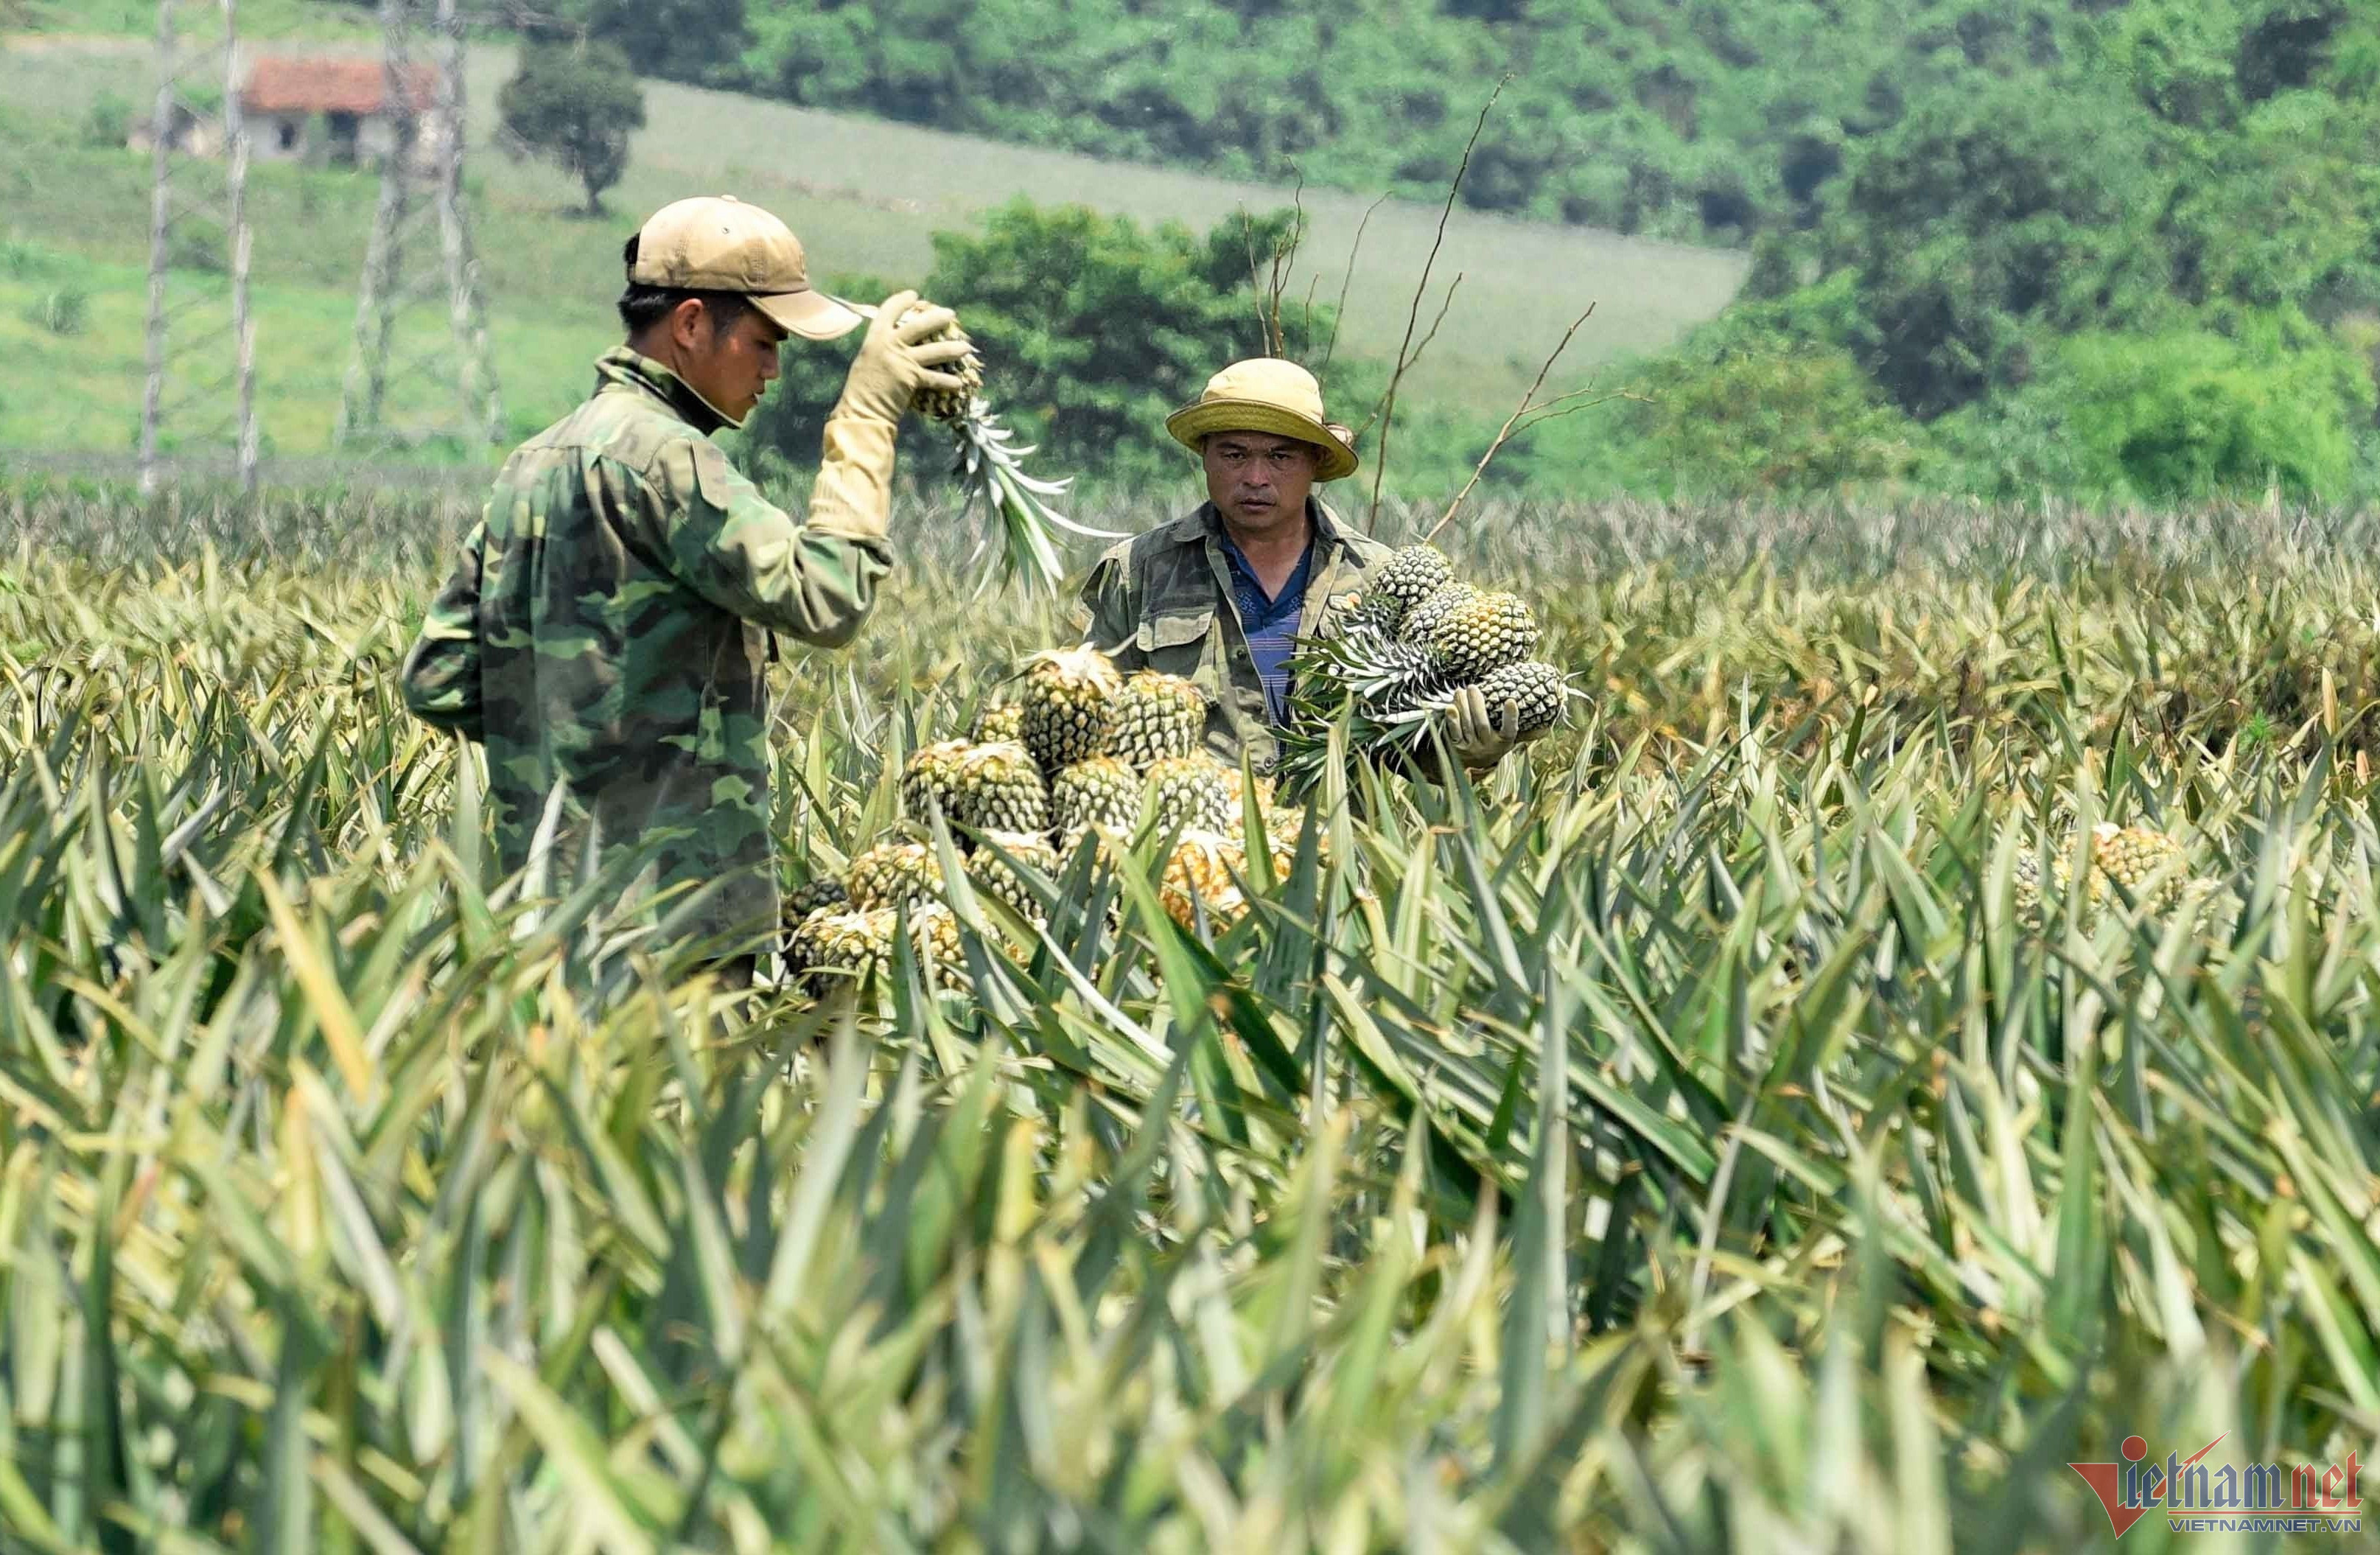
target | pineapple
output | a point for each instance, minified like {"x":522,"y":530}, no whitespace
{"x":892,"y":873}
{"x":999,"y":789}
{"x":1017,"y":520}
{"x":1385,"y":688}
{"x":2130,"y":856}
{"x":1070,"y":706}
{"x":934,"y":930}
{"x":1421,"y":621}
{"x":1194,"y":793}
{"x":2026,"y":890}
{"x":948,"y":405}
{"x":1111,"y":843}
{"x":804,"y":900}
{"x":1383,"y":675}
{"x":856,"y":945}
{"x":1199,"y":873}
{"x":1158,"y":715}
{"x":1481,"y":634}
{"x":1103,"y":791}
{"x":995,"y":876}
{"x":998,"y":722}
{"x":1401,"y":582}
{"x":1284,"y":825}
{"x":1538,"y":688}
{"x":931,"y":779}
{"x":1281,"y":847}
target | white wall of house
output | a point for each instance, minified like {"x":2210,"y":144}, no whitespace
{"x":340,"y":141}
{"x":191,"y":136}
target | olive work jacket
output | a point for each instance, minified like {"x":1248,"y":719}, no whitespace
{"x":1164,"y":602}
{"x":609,"y":630}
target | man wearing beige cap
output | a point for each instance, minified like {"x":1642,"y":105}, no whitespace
{"x":1220,"y":596}
{"x":606,"y":635}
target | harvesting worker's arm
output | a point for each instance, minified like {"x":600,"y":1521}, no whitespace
{"x":608,"y":631}
{"x":1221,"y":597}
{"x":442,"y":673}
{"x":710,"y":527}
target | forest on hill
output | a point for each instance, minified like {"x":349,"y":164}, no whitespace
{"x":1694,"y":119}
{"x":2119,"y":248}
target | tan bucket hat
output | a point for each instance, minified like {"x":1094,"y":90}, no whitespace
{"x":719,"y":244}
{"x":1267,"y":395}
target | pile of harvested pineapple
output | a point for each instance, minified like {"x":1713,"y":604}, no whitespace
{"x":1085,"y":754}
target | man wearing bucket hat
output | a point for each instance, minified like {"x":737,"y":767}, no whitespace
{"x":606,"y":635}
{"x":1220,"y":596}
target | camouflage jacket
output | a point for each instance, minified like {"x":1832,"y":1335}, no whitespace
{"x":610,"y":627}
{"x":1164,"y":602}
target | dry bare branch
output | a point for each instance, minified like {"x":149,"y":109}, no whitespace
{"x":1345,"y":281}
{"x":1529,"y":413}
{"x":1419,"y":351}
{"x":1388,"y":406}
{"x":1285,"y":261}
{"x":1255,"y":281}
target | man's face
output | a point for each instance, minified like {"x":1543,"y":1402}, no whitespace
{"x":730,"y":368}
{"x":1259,"y":481}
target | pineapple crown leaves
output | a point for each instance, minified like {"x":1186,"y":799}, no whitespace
{"x":1013,"y":506}
{"x":1367,"y":664}
{"x":1158,"y":686}
{"x":1074,"y":667}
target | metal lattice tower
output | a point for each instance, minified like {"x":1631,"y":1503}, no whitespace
{"x":198,"y":200}
{"x":412,"y":200}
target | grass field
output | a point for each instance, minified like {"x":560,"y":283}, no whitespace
{"x":1704,"y":1140}
{"x":866,"y":197}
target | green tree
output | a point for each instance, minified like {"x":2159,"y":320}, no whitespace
{"x":682,"y":40}
{"x":2284,"y":211}
{"x":2181,"y":415}
{"x":575,"y":105}
{"x":1743,"y":407}
{"x":1766,"y":416}
{"x":1981,"y":217}
{"x":2191,"y":415}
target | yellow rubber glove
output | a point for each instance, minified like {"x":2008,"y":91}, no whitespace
{"x":853,"y":497}
{"x":896,"y":361}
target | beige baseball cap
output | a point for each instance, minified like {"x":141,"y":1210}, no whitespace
{"x":719,"y":244}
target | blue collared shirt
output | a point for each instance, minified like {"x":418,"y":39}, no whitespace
{"x":1270,"y":620}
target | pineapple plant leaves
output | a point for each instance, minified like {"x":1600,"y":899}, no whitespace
{"x":1664,"y":1146}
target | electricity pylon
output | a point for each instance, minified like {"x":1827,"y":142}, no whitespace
{"x":422,"y":187}
{"x":196,"y":198}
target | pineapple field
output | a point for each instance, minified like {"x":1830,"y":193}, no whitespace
{"x":1909,"y":1029}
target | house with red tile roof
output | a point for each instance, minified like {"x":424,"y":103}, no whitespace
{"x":338,"y":111}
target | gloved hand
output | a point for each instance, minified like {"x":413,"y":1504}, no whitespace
{"x":1471,"y":730}
{"x":853,"y":496}
{"x":896,"y":361}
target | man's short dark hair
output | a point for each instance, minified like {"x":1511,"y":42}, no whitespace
{"x":642,"y":306}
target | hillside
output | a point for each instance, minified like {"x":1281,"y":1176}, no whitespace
{"x":866,"y":196}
